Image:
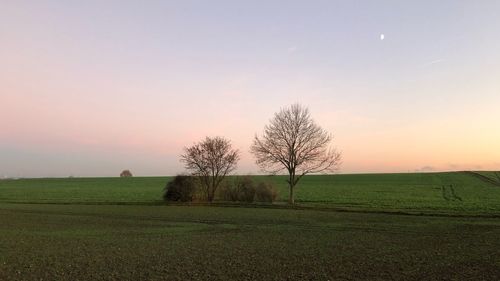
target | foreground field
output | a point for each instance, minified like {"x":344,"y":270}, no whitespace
{"x":84,"y":242}
{"x":459,"y":193}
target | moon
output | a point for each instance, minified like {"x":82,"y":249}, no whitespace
{"x":382,"y":37}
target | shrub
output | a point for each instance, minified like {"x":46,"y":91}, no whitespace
{"x":125,"y":174}
{"x":240,"y":189}
{"x":265,"y":192}
{"x":244,"y":189}
{"x":227,"y":192}
{"x":181,"y":188}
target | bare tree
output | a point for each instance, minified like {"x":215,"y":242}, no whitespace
{"x":210,"y":160}
{"x":293,"y":142}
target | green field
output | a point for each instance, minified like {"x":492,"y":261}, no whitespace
{"x":407,"y":192}
{"x":83,"y":242}
{"x":345,"y":227}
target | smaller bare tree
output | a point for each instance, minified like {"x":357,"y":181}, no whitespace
{"x":210,"y":160}
{"x":293,"y":142}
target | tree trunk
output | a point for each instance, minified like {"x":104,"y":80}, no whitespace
{"x":210,"y":195}
{"x":291,"y":183}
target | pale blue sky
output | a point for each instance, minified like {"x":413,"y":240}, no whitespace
{"x":89,"y":88}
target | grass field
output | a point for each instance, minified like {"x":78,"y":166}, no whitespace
{"x":84,"y":242}
{"x":408,"y":192}
{"x":346,"y":227}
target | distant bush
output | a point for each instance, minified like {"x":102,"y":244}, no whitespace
{"x":181,"y":188}
{"x":265,"y":192}
{"x":125,"y":174}
{"x":244,"y":189}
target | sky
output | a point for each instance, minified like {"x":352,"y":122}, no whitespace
{"x":89,"y":88}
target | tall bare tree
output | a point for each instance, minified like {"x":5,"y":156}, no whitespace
{"x":210,"y":160}
{"x":293,"y":142}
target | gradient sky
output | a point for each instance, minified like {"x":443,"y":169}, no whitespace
{"x":88,"y":88}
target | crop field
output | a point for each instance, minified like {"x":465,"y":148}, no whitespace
{"x":457,"y":192}
{"x":103,"y":242}
{"x":432,"y":226}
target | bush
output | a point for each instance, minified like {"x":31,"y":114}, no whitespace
{"x":240,"y":189}
{"x":227,"y":192}
{"x":265,"y":192}
{"x":181,"y":188}
{"x":125,"y":174}
{"x":244,"y":189}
